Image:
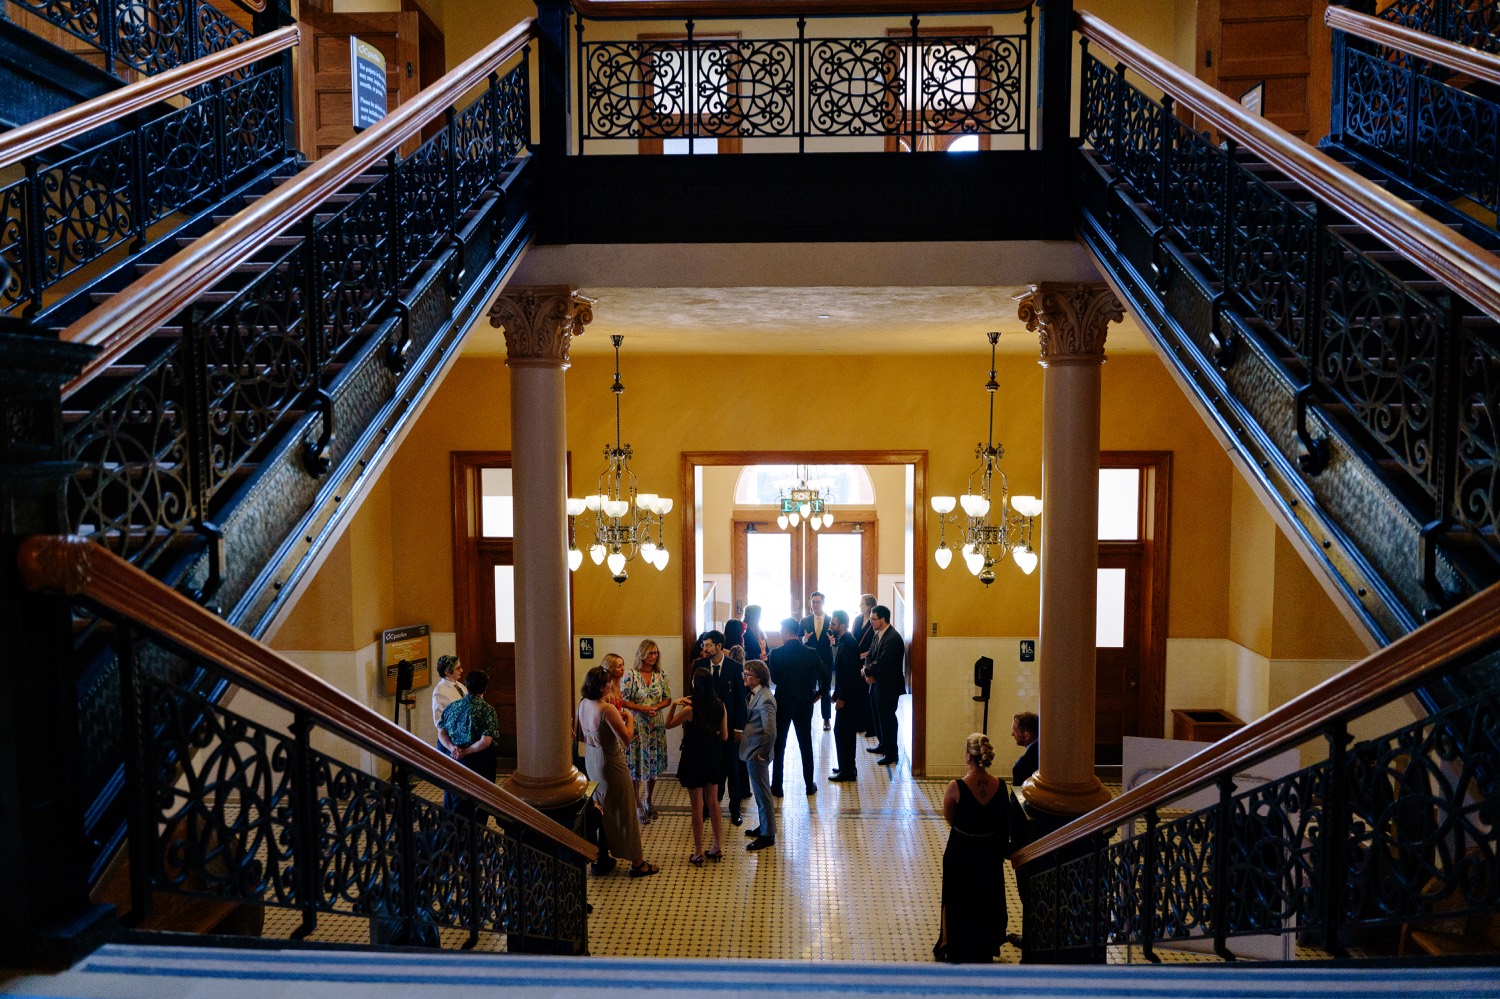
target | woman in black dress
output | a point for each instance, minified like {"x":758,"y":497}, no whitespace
{"x":977,"y":807}
{"x":705,"y":727}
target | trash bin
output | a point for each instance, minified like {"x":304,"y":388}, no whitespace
{"x":1203,"y":724}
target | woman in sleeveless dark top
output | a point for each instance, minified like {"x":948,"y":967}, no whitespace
{"x":705,"y":727}
{"x":977,"y":808}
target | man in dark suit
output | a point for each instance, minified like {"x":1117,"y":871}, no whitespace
{"x":864,"y":634}
{"x":797,"y":673}
{"x":1026,"y":729}
{"x":850,"y":695}
{"x":730,"y":687}
{"x":817,"y":634}
{"x":886,"y":666}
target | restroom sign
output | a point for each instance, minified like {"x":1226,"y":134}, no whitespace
{"x":367,"y":73}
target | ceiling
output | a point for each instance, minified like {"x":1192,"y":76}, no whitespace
{"x":842,"y":299}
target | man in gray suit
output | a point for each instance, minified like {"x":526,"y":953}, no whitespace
{"x":757,"y":740}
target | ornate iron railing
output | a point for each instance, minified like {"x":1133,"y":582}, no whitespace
{"x":1438,"y":137}
{"x":237,"y":810}
{"x":1468,"y":22}
{"x":914,"y":89}
{"x":146,"y":35}
{"x":69,"y":210}
{"x":1373,"y":834}
{"x":156,"y":449}
{"x":1391,"y":359}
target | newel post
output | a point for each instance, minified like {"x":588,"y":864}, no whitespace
{"x":46,"y":918}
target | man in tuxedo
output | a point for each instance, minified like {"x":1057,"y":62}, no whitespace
{"x":797,"y":673}
{"x":886,"y":667}
{"x":730,"y":687}
{"x":850,"y":697}
{"x":864,"y":634}
{"x":818,"y":635}
{"x":1026,"y":729}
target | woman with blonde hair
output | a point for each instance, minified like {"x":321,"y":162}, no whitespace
{"x":605,"y":731}
{"x":645,"y":691}
{"x":977,"y":807}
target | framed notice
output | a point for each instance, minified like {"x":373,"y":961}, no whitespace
{"x":1254,"y":99}
{"x":367,"y":76}
{"x":414,"y":644}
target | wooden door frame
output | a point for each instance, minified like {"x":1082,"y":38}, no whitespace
{"x":1154,"y":529}
{"x":916,"y":643}
{"x":869,"y":569}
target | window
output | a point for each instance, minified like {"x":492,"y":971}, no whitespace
{"x":1119,"y":504}
{"x":684,"y":97}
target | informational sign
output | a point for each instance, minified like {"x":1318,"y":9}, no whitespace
{"x":1254,"y":99}
{"x":414,"y":644}
{"x":1028,"y":650}
{"x":367,"y":74}
{"x":585,"y":648}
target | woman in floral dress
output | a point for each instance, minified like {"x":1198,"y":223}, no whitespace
{"x":646,"y":692}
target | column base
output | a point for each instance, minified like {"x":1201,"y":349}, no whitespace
{"x":1064,"y":799}
{"x":548,"y":794}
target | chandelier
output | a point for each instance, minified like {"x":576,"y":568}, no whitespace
{"x":623,"y":520}
{"x":805,"y":501}
{"x":990,"y":532}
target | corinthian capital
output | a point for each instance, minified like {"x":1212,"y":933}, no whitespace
{"x":1072,"y":319}
{"x":540,"y":323}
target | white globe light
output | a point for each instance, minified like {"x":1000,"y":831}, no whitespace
{"x":1026,"y":506}
{"x":594,"y":502}
{"x":616,"y":508}
{"x":596,"y":552}
{"x":648,"y":550}
{"x":944,"y":555}
{"x":967,"y":502}
{"x":795,"y":518}
{"x":816,"y":522}
{"x":827,"y":519}
{"x":616,"y":562}
{"x":661,"y":558}
{"x":974,"y":561}
{"x":981,"y":506}
{"x":804,"y":509}
{"x":664,"y":505}
{"x":781,"y":521}
{"x":943,"y":504}
{"x":575,"y":559}
{"x":646,"y":501}
{"x":576,"y":507}
{"x":1026,"y":560}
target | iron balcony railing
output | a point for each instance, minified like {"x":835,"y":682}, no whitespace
{"x":1468,"y":22}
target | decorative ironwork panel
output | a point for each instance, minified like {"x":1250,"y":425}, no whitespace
{"x":1273,"y":853}
{"x":1469,"y":22}
{"x":539,"y":892}
{"x":426,"y":205}
{"x":357,"y":820}
{"x":1375,"y":102}
{"x":1139,"y":145}
{"x":513,"y":97}
{"x":856,"y":86}
{"x":133,"y":490}
{"x":972,"y":83}
{"x":354,"y":280}
{"x":1458,"y":141}
{"x":744,"y":88}
{"x":1476,"y":495}
{"x":1041,"y":911}
{"x":85,"y":206}
{"x":634,"y":89}
{"x":1184,"y":876}
{"x":257,"y":363}
{"x":180,"y":158}
{"x":499,"y":881}
{"x":1197,"y":175}
{"x":79,"y":18}
{"x":217,"y":31}
{"x":1271,"y":268}
{"x":14,"y":200}
{"x":1122,"y":884}
{"x":476,"y":159}
{"x":221,"y":789}
{"x":153,"y":35}
{"x":1098,"y":108}
{"x":1078,"y":918}
{"x":253,"y":113}
{"x":1423,"y":838}
{"x":572,"y":903}
{"x":444,"y":888}
{"x":1379,"y":356}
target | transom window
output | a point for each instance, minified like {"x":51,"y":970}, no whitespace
{"x":762,"y":485}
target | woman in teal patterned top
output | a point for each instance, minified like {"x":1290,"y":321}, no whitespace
{"x":468,"y":733}
{"x":647,"y":692}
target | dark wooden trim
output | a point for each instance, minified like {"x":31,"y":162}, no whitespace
{"x":79,"y":567}
{"x":1458,"y":262}
{"x":1155,"y":529}
{"x":916,"y":643}
{"x":467,"y":535}
{"x":65,"y":126}
{"x":151,"y":300}
{"x":1464,"y":58}
{"x":678,"y":10}
{"x":1468,"y":629}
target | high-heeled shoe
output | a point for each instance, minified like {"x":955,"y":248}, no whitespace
{"x":696,"y":860}
{"x":714,"y":855}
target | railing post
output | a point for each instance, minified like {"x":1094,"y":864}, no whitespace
{"x":46,"y":917}
{"x":135,"y":736}
{"x":1148,"y":889}
{"x":1054,"y":98}
{"x":479,"y":820}
{"x":554,"y":108}
{"x":194,"y":32}
{"x":1226,"y":215}
{"x":108,"y":39}
{"x":306,"y":848}
{"x":1164,"y":201}
{"x":1447,"y":416}
{"x":406,"y":849}
{"x":1339,"y":85}
{"x":140,"y":218}
{"x":395,"y":226}
{"x":690,"y":111}
{"x":450,"y":125}
{"x":1223,"y":832}
{"x":1333,"y":865}
{"x":35,"y":227}
{"x":913,"y":84}
{"x":195,"y":409}
{"x":801,"y":89}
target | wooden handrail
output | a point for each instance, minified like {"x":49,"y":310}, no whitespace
{"x":44,"y":133}
{"x":1465,"y":629}
{"x":131,"y":315}
{"x":75,"y":566}
{"x":1464,"y":58}
{"x":1460,"y":263}
{"x":655,"y":10}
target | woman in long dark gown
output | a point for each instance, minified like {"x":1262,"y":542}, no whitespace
{"x":977,"y":808}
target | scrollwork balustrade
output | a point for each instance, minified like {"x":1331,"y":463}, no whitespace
{"x":1462,"y":21}
{"x":148,"y":36}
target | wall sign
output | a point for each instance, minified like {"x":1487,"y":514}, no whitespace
{"x":1254,"y":99}
{"x":367,"y":74}
{"x":585,"y":648}
{"x":1028,"y":650}
{"x":412,"y":643}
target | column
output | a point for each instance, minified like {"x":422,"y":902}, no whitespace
{"x":1072,"y":320}
{"x":539,"y":326}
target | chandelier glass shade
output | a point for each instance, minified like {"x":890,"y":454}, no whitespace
{"x":805,"y":501}
{"x":623,"y":523}
{"x":989,"y":522}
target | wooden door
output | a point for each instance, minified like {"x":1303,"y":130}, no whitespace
{"x":853,"y":532}
{"x":324,"y":111}
{"x":1283,"y":43}
{"x":762,"y":555}
{"x":494,"y":645}
{"x":1119,"y":653}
